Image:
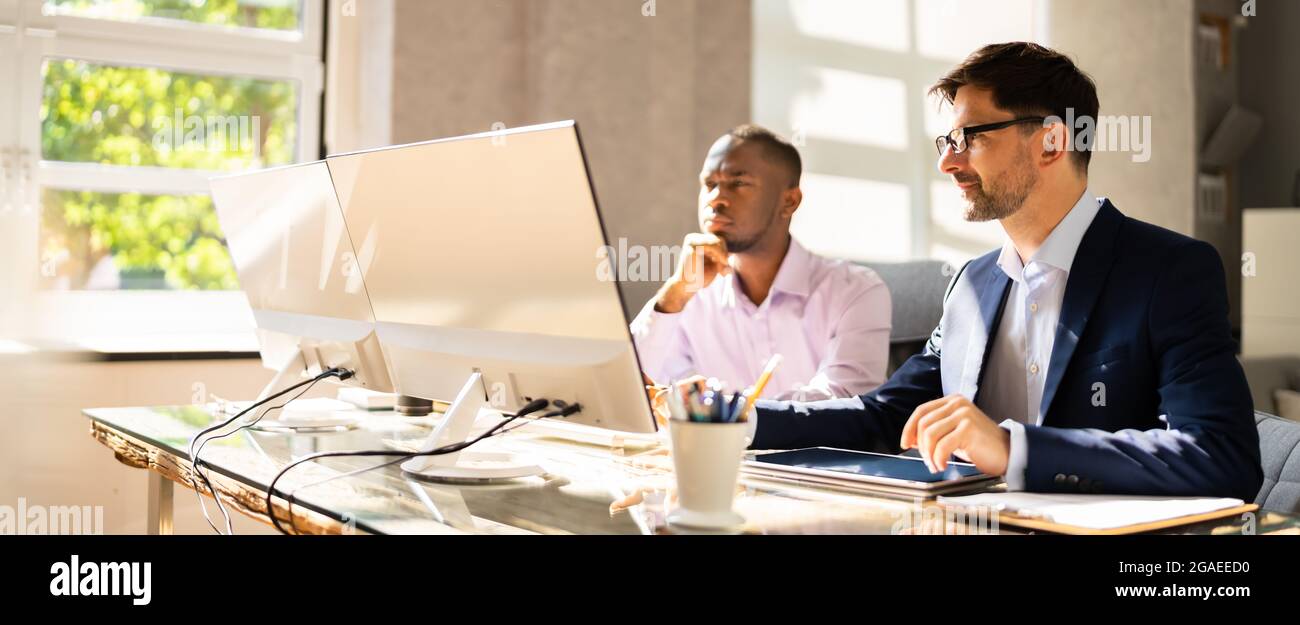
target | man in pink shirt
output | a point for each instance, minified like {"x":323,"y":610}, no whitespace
{"x":745,"y":290}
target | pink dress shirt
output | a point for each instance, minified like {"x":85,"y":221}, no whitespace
{"x":829,"y":319}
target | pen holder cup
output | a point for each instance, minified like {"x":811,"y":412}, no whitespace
{"x":706,"y":460}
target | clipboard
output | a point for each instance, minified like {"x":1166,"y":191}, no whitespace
{"x":1016,"y":518}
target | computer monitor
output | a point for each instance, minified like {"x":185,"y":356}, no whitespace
{"x":297,"y":265}
{"x":484,"y":265}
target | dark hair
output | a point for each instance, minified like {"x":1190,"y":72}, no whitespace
{"x":775,"y":148}
{"x":1028,"y":80}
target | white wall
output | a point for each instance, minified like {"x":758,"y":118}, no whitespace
{"x":48,"y":457}
{"x":1270,"y":301}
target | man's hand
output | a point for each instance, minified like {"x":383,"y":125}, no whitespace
{"x":658,"y":399}
{"x":704,"y":257}
{"x":659,"y":396}
{"x":953,"y":425}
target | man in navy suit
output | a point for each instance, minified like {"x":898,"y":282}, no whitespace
{"x":1092,"y":353}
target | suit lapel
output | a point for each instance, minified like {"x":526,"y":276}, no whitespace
{"x":1088,"y":273}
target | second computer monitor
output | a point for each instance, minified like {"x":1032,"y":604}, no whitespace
{"x":296,"y":264}
{"x":483,"y":256}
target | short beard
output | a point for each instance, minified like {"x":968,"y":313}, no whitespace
{"x":1007,"y":196}
{"x":740,"y":246}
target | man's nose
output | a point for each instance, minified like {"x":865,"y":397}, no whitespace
{"x":950,"y":162}
{"x":714,"y":200}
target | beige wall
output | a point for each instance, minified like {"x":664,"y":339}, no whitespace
{"x":359,"y":75}
{"x":1270,"y":305}
{"x":1140,"y":55}
{"x":650,"y":93}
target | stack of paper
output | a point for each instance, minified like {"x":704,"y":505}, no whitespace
{"x":1095,"y":512}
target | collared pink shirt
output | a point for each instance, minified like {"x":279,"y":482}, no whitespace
{"x":829,"y":320}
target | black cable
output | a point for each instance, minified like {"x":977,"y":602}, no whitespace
{"x":292,"y":496}
{"x":196,"y":455}
{"x":531,"y":407}
{"x":567,"y":410}
{"x":197,"y":463}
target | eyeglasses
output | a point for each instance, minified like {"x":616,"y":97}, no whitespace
{"x":957,"y":139}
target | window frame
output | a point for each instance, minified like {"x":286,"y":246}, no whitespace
{"x":12,"y":221}
{"x":194,"y":320}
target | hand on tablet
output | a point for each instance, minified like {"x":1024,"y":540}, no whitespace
{"x":954,"y":425}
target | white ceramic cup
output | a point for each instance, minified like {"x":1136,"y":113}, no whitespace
{"x":706,"y":459}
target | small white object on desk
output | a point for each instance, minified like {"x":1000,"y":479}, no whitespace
{"x":367,"y":399}
{"x":319,"y":412}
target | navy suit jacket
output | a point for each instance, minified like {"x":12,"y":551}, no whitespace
{"x":1143,"y":395}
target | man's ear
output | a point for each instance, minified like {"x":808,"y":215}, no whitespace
{"x":790,"y":200}
{"x":1056,"y":143}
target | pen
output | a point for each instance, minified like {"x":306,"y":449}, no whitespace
{"x":732,"y":415}
{"x":688,"y":398}
{"x":718,"y":401}
{"x":676,"y":408}
{"x":768,"y":370}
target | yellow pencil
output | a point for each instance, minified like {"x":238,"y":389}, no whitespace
{"x":768,"y":370}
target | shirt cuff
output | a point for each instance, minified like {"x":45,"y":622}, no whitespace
{"x":806,"y":393}
{"x":1019,"y":455}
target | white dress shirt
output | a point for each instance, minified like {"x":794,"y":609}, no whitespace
{"x":1012,"y":388}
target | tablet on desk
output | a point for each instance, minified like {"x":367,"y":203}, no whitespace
{"x":866,"y":467}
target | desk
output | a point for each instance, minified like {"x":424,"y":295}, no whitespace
{"x":589,"y":489}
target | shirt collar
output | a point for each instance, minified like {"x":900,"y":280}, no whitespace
{"x":1062,"y":243}
{"x":793,"y":276}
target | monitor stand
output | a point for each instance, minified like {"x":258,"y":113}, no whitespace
{"x":466,"y":466}
{"x":292,"y":369}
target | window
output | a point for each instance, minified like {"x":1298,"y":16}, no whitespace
{"x":121,"y":111}
{"x":846,"y":80}
{"x":267,"y":14}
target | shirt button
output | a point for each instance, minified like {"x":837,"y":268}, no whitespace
{"x":1059,"y":480}
{"x":1033,"y":307}
{"x":1033,"y":369}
